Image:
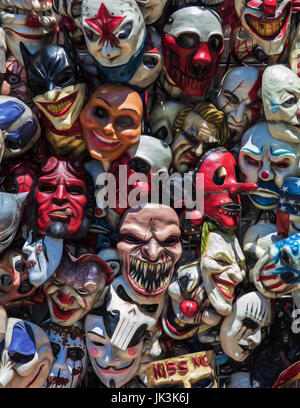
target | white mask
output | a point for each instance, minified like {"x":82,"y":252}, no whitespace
{"x":151,"y":9}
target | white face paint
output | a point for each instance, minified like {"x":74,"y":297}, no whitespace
{"x":240,"y":98}
{"x":113,"y":366}
{"x":267,"y":162}
{"x":151,"y":9}
{"x":241,"y":330}
{"x":281,"y":99}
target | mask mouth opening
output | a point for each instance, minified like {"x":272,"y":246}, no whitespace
{"x":60,"y":107}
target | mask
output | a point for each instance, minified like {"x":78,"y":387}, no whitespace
{"x":191,"y":49}
{"x":288,"y":211}
{"x":69,"y":8}
{"x":223,"y":268}
{"x":62,"y":200}
{"x":128,"y":318}
{"x":267,"y":162}
{"x":151,"y":9}
{"x":110,"y":256}
{"x":241,"y":332}
{"x":20,"y":127}
{"x":31,"y":22}
{"x":111,"y":121}
{"x":195,"y":132}
{"x":239,"y":97}
{"x":75,"y":287}
{"x":281,"y":98}
{"x":149,"y":248}
{"x":70,"y":356}
{"x":267,"y":23}
{"x":113,"y":366}
{"x":277,"y":272}
{"x":221,"y":189}
{"x":115,"y":35}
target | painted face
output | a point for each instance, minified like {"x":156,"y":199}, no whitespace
{"x":20,"y":127}
{"x":111,"y":121}
{"x":267,"y":22}
{"x":70,"y":356}
{"x":30,"y":22}
{"x":221,"y":189}
{"x":191,"y":49}
{"x":113,"y":366}
{"x":288,"y":211}
{"x":223,"y":268}
{"x":241,"y":332}
{"x":15,"y":81}
{"x":239,"y":97}
{"x":267,"y":162}
{"x":149,"y":248}
{"x":281,"y":98}
{"x":75,"y":287}
{"x":277,"y":271}
{"x":151,"y":9}
{"x":115,"y":35}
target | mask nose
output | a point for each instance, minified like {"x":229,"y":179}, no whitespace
{"x":33,"y":21}
{"x":269,"y":7}
{"x":152,"y":250}
{"x":108,"y":52}
{"x":265,"y":172}
{"x":201,"y":62}
{"x":238,"y":115}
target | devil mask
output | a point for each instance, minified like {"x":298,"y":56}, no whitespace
{"x":288,"y":211}
{"x":239,"y":97}
{"x":62,"y":202}
{"x":75,"y":287}
{"x":111,"y":121}
{"x":149,"y":248}
{"x":281,"y":98}
{"x":267,"y":162}
{"x":151,"y":9}
{"x":221,"y":189}
{"x":192,"y":43}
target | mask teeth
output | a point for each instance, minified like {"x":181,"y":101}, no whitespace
{"x":149,"y":276}
{"x":56,"y":108}
{"x":268,"y":29}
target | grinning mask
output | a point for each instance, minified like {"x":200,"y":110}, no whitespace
{"x":61,"y":202}
{"x":239,"y":97}
{"x":111,"y":121}
{"x":267,"y":162}
{"x":281,"y":99}
{"x":288,"y":211}
{"x":75,"y":287}
{"x":241,"y":331}
{"x":277,"y":272}
{"x":151,"y":9}
{"x":222,"y":267}
{"x":70,"y":356}
{"x":192,"y":42}
{"x":115,"y":36}
{"x":267,"y":22}
{"x":149,"y":248}
{"x":29,"y":21}
{"x":221,"y":189}
{"x":195,"y":132}
{"x":113,"y":366}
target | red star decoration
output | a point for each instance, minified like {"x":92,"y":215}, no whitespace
{"x":105,"y":23}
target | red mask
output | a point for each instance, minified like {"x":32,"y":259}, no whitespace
{"x":221,"y":190}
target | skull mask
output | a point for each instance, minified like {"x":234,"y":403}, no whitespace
{"x":267,"y":162}
{"x":281,"y":98}
{"x":151,"y":9}
{"x":149,"y":248}
{"x":288,"y":211}
{"x":192,"y":43}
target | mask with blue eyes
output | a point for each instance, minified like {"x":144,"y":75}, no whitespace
{"x":277,"y":272}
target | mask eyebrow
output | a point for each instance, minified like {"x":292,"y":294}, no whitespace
{"x":246,"y":149}
{"x":104,"y":100}
{"x":96,"y":332}
{"x":226,"y":92}
{"x":224,"y":256}
{"x":280,"y":152}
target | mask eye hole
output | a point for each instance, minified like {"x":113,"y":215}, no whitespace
{"x":55,"y":348}
{"x":188,"y":41}
{"x":124,"y":121}
{"x":91,"y":35}
{"x":219,"y":176}
{"x":126,"y":31}
{"x":250,"y":161}
{"x":290,"y":102}
{"x":20,"y":266}
{"x":123,"y":295}
{"x":6,"y":280}
{"x":215,"y":43}
{"x":75,"y":353}
{"x":100,"y":112}
{"x":250,"y":324}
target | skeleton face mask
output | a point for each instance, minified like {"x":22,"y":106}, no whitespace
{"x":151,"y":9}
{"x":111,"y":121}
{"x":31,"y":22}
{"x":191,"y":49}
{"x":267,"y":162}
{"x":75,"y":287}
{"x":149,"y":248}
{"x":288,"y":211}
{"x":239,"y":97}
{"x":241,"y":332}
{"x":223,"y":268}
{"x":281,"y":98}
{"x":267,"y":22}
{"x":115,"y":35}
{"x":113,"y":366}
{"x":70,"y":356}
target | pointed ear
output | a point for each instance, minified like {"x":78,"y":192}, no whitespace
{"x":69,"y":47}
{"x":26,"y":55}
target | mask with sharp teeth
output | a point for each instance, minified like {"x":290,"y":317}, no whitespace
{"x":149,"y":248}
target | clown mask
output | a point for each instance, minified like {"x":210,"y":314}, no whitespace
{"x":222,"y":268}
{"x":281,"y":98}
{"x":149,"y":248}
{"x":288,"y":211}
{"x":75,"y":287}
{"x":241,"y":331}
{"x":111,"y":121}
{"x":151,"y":9}
{"x":267,"y":162}
{"x":239,"y":97}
